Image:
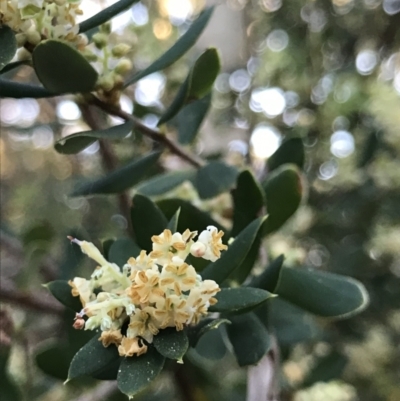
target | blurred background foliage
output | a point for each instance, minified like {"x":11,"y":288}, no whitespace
{"x":327,"y":71}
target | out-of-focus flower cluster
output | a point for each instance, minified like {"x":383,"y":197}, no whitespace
{"x":150,"y":292}
{"x":36,"y":20}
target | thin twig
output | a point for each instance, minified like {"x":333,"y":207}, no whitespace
{"x":149,"y":132}
{"x":110,"y":161}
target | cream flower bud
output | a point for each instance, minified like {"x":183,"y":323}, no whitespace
{"x":33,"y":37}
{"x":106,"y":323}
{"x":100,"y":40}
{"x":123,"y":66}
{"x":120,"y":50}
{"x":198,"y":249}
{"x":21,"y":39}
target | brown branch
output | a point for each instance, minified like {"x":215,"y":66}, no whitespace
{"x":38,"y":303}
{"x":149,"y":132}
{"x":110,"y":161}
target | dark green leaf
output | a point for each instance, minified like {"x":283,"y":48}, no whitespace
{"x":232,"y":258}
{"x":215,"y":178}
{"x":239,"y":299}
{"x":290,"y":151}
{"x":72,"y":257}
{"x":283,"y":192}
{"x":136,"y":373}
{"x":121,"y":179}
{"x":171,"y":343}
{"x":173,"y":223}
{"x":197,"y":84}
{"x":61,"y":68}
{"x":290,"y":324}
{"x":248,"y":200}
{"x":110,"y":372}
{"x":106,"y":247}
{"x":8,"y":45}
{"x":147,"y":220}
{"x":196,"y":332}
{"x":18,"y":90}
{"x":14,"y":65}
{"x":54,"y":360}
{"x":249,"y":338}
{"x":268,"y":279}
{"x":190,"y":118}
{"x":178,"y":49}
{"x":61,"y":290}
{"x":9,"y":390}
{"x":105,"y":15}
{"x":92,"y":358}
{"x":204,"y":73}
{"x":190,"y":217}
{"x":77,"y":142}
{"x":121,"y":250}
{"x":328,"y":367}
{"x":211,"y":345}
{"x":160,"y":184}
{"x":322,"y":293}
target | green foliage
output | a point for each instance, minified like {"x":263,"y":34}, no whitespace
{"x":322,"y":293}
{"x":77,"y":142}
{"x":8,"y":45}
{"x":268,"y":279}
{"x":61,"y":290}
{"x":239,"y":299}
{"x":173,"y":223}
{"x":121,"y":179}
{"x":54,"y":360}
{"x":171,"y":343}
{"x":62,"y":69}
{"x":291,"y":151}
{"x":147,"y":220}
{"x":204,"y":326}
{"x":18,"y":90}
{"x":178,"y":49}
{"x":121,"y":250}
{"x":137,"y":373}
{"x":13,"y":65}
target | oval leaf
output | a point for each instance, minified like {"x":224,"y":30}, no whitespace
{"x":249,"y":338}
{"x":215,"y":178}
{"x":77,"y":142}
{"x":232,"y":258}
{"x":61,"y":290}
{"x":61,"y":68}
{"x":54,"y":360}
{"x":160,"y":184}
{"x":290,"y":151}
{"x":178,"y":49}
{"x":283,"y":192}
{"x":18,"y":90}
{"x":196,"y":332}
{"x":121,"y":179}
{"x":8,"y":45}
{"x":147,"y":220}
{"x":171,"y":343}
{"x":248,"y":200}
{"x":92,"y":359}
{"x":136,"y":373}
{"x":322,"y":293}
{"x":212,"y":345}
{"x":121,"y":250}
{"x":105,"y":15}
{"x":239,"y":299}
{"x":268,"y":279}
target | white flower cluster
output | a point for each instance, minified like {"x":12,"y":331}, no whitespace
{"x":150,"y":292}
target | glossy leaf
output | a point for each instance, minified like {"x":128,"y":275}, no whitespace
{"x":290,"y":151}
{"x":147,"y":220}
{"x":190,"y":118}
{"x":198,"y":83}
{"x":77,"y":142}
{"x":178,"y":49}
{"x":92,"y":358}
{"x":249,"y":338}
{"x":121,"y":250}
{"x":173,"y":223}
{"x":248,"y":200}
{"x":283,"y":193}
{"x":105,"y":15}
{"x":215,"y":178}
{"x":322,"y":293}
{"x":239,"y":299}
{"x":160,"y":184}
{"x":212,"y":345}
{"x":8,"y":45}
{"x":190,"y":217}
{"x":120,"y":179}
{"x":54,"y":360}
{"x":138,"y":372}
{"x":171,"y":343}
{"x":18,"y":90}
{"x":61,"y":290}
{"x":61,"y":68}
{"x":232,"y":258}
{"x":205,"y":325}
{"x":268,"y":279}
{"x":109,"y":372}
{"x":11,"y":66}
